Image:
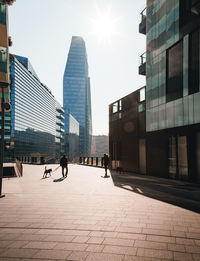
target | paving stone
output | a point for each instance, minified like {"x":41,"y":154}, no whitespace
{"x":61,"y":238}
{"x":118,"y":242}
{"x":23,"y":253}
{"x":52,"y":254}
{"x":49,"y":232}
{"x":193,"y":235}
{"x":138,"y":258}
{"x":104,"y":257}
{"x":196,"y":257}
{"x":27,"y":237}
{"x":95,"y":248}
{"x":182,"y":256}
{"x":110,"y":234}
{"x":193,"y":249}
{"x":76,"y":232}
{"x":9,"y":259}
{"x":120,"y":250}
{"x":176,"y":247}
{"x":96,"y":234}
{"x":77,"y":256}
{"x":155,"y":253}
{"x":95,"y":240}
{"x":80,"y":239}
{"x":40,"y":245}
{"x":131,"y":236}
{"x":197,"y":242}
{"x":185,"y":241}
{"x":4,"y":244}
{"x":156,"y":232}
{"x":71,"y":246}
{"x":161,"y":239}
{"x":149,"y":244}
{"x":18,"y":244}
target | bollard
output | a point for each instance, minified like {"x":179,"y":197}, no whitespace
{"x":96,"y":161}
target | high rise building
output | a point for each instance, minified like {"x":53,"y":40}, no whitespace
{"x":172,"y":72}
{"x":100,"y":145}
{"x":34,"y":127}
{"x":72,"y":138}
{"x":76,"y":93}
{"x":5,"y":42}
{"x":160,"y":136}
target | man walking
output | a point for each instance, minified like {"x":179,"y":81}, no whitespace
{"x":105,"y":160}
{"x":64,"y":165}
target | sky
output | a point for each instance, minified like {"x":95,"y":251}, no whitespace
{"x":42,"y":30}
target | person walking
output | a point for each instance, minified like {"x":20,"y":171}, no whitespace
{"x":64,"y":165}
{"x":106,"y":161}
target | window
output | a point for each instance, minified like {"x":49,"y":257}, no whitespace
{"x":141,"y":107}
{"x":175,"y":72}
{"x":194,"y":62}
{"x":3,"y":59}
{"x":120,"y":105}
{"x":115,"y":107}
{"x":2,"y":13}
{"x":142,"y":94}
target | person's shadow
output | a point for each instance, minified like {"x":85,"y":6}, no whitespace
{"x":59,"y":180}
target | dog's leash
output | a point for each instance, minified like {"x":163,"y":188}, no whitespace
{"x":56,"y":168}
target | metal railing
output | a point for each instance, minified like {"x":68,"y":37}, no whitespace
{"x":143,"y":14}
{"x":92,"y":161}
{"x":143,"y":58}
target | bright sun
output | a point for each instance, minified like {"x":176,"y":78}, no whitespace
{"x":104,"y":26}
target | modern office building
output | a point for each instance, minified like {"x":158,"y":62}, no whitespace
{"x":100,"y":145}
{"x":33,"y":115}
{"x":127,"y":133}
{"x":59,"y":131}
{"x":5,"y":42}
{"x":72,"y":138}
{"x":169,"y":141}
{"x":173,"y":87}
{"x":76,"y":93}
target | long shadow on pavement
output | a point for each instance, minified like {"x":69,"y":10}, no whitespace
{"x":58,"y":180}
{"x":182,"y":194}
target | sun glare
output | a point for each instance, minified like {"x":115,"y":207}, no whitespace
{"x":104,"y":25}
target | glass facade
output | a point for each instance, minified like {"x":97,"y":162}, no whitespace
{"x":33,"y":115}
{"x":76,"y":93}
{"x":59,"y":131}
{"x":172,"y":68}
{"x":72,"y":138}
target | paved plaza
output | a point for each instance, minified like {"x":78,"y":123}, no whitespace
{"x":91,"y":218}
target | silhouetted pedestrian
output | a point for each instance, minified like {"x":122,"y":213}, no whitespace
{"x":64,"y":165}
{"x":105,"y":161}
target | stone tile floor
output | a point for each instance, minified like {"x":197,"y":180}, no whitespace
{"x":90,"y":218}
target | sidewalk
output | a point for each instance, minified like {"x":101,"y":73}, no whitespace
{"x":90,"y":218}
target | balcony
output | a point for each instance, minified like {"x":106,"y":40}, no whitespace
{"x":60,"y":130}
{"x":60,"y":110}
{"x":59,"y":137}
{"x":61,"y":117}
{"x":142,"y":66}
{"x":142,"y":25}
{"x":60,"y":123}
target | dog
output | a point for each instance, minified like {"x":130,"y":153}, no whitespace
{"x":46,"y":172}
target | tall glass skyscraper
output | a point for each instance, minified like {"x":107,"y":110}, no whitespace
{"x":76,"y":92}
{"x":34,"y":125}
